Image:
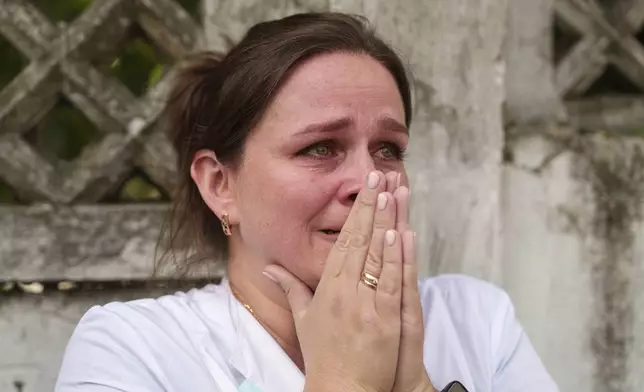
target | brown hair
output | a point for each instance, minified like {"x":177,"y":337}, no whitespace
{"x":217,"y":100}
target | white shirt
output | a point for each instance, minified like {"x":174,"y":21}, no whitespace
{"x":205,"y":341}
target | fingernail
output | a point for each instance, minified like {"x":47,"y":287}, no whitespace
{"x":390,"y":236}
{"x":398,"y":180}
{"x":382,"y":201}
{"x":403,"y":191}
{"x":269,"y":276}
{"x":372,"y":180}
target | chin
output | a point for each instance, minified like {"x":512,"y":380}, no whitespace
{"x":313,"y":274}
{"x":314,"y":284}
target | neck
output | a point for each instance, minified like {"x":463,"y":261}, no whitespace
{"x":268,"y":303}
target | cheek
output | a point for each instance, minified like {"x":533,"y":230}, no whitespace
{"x":277,"y":208}
{"x":290,"y":193}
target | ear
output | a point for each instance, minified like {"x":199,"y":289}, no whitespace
{"x":215,"y":183}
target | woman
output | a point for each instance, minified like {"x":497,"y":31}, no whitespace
{"x":290,"y":159}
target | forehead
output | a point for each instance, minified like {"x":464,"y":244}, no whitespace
{"x":336,"y":85}
{"x":339,"y":69}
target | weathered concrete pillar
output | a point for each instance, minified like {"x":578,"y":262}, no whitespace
{"x":572,"y":206}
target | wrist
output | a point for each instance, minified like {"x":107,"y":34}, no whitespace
{"x":425,"y":386}
{"x":333,"y":386}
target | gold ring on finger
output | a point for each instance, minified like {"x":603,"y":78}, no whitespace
{"x":369,"y":280}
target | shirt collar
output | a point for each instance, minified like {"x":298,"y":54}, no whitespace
{"x":256,"y":354}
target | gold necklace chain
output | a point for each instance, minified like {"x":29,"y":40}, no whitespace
{"x":252,"y":312}
{"x":244,"y":304}
{"x":247,"y":306}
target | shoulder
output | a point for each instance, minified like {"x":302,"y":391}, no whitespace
{"x":462,"y":290}
{"x":171,"y":315}
{"x":141,"y":343}
{"x":472,"y":305}
{"x":180,"y":318}
{"x":479,"y":318}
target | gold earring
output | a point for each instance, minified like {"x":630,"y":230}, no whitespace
{"x":225,"y":224}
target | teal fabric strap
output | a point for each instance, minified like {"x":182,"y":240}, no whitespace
{"x":248,"y":386}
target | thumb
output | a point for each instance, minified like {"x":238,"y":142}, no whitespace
{"x":298,"y":294}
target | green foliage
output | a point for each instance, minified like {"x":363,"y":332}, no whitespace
{"x":7,"y":195}
{"x":139,"y":188}
{"x":63,"y":133}
{"x":193,"y":8}
{"x":62,"y":10}
{"x":139,"y":64}
{"x":12,"y":62}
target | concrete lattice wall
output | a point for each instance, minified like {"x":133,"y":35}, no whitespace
{"x":522,"y":173}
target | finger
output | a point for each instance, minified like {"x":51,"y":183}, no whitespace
{"x":402,"y":209}
{"x":388,"y":294}
{"x":351,"y":233}
{"x":298,"y":294}
{"x":393,"y":181}
{"x":411,"y":312}
{"x":385,"y":219}
{"x":361,"y":229}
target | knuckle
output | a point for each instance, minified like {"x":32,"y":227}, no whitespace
{"x":336,"y":307}
{"x":381,"y":223}
{"x":373,"y":261}
{"x":366,"y":199}
{"x":342,"y":243}
{"x":332,"y":270}
{"x":413,"y":314}
{"x":359,"y":240}
{"x":390,"y":258}
{"x":389,"y":287}
{"x":369,"y":318}
{"x":412,"y":322}
{"x":288,"y":290}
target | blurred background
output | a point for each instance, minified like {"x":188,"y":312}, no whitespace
{"x":526,"y":162}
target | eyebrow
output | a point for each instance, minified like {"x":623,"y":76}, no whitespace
{"x":387,"y":123}
{"x":392,"y":125}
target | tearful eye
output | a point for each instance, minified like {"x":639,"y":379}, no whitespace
{"x":390,"y":151}
{"x":387,"y":152}
{"x":319,"y":150}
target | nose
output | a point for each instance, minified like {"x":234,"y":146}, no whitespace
{"x":355,"y":174}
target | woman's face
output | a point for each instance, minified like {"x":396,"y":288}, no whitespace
{"x":338,"y":117}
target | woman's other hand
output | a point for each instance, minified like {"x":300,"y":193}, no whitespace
{"x":349,"y":333}
{"x":411,"y":375}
